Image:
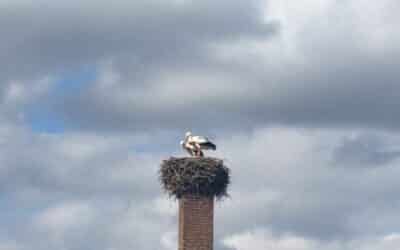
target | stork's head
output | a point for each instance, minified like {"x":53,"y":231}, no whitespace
{"x":188,"y":134}
{"x":182,"y":143}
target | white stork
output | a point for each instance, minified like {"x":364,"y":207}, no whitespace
{"x":189,"y":147}
{"x":194,"y":144}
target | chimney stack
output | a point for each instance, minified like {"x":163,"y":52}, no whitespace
{"x":196,"y":182}
{"x":196,"y":223}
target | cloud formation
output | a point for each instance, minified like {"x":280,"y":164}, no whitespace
{"x":304,"y":73}
{"x":300,"y":97}
{"x":104,"y":194}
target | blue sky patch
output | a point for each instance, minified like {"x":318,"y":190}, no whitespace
{"x":41,"y":118}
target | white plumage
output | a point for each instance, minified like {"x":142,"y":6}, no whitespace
{"x":194,"y":144}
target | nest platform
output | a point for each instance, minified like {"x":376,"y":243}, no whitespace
{"x":198,"y":176}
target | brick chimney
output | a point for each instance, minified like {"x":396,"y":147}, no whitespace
{"x":196,"y":182}
{"x":196,"y":223}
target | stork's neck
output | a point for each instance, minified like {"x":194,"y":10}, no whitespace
{"x":187,"y":137}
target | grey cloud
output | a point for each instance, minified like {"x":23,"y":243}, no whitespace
{"x":175,"y":66}
{"x":162,"y":51}
{"x":64,"y":164}
{"x":49,"y":37}
{"x":344,"y":85}
{"x":76,"y":191}
{"x":365,"y":151}
{"x":282,"y":179}
{"x":309,"y":197}
{"x":142,"y":39}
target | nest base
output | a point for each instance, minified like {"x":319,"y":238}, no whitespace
{"x":196,"y":176}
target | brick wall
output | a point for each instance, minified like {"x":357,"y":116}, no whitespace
{"x":196,"y":218}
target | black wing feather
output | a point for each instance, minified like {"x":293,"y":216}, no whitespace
{"x":208,"y":145}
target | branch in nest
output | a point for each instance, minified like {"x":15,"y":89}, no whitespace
{"x":194,"y":176}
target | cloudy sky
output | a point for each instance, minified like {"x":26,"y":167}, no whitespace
{"x":301,"y":97}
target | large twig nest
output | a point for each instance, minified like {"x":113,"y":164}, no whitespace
{"x":202,"y":176}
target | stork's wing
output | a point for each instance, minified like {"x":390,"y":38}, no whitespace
{"x":199,"y":139}
{"x":208,"y":145}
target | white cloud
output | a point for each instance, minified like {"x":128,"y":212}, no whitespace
{"x":169,"y":240}
{"x":262,"y":239}
{"x":16,"y":96}
{"x":165,"y":206}
{"x":282,"y":178}
{"x":291,"y":91}
{"x":65,"y":216}
{"x":23,"y":91}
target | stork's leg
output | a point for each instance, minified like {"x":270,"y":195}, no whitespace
{"x":198,"y":150}
{"x":199,"y":153}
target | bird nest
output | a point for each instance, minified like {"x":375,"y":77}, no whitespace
{"x":202,"y":176}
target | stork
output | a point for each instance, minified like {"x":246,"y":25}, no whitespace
{"x":194,"y":144}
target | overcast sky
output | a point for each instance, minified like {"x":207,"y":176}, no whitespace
{"x":301,"y":97}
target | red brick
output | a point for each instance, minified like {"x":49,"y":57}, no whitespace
{"x":196,"y":223}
